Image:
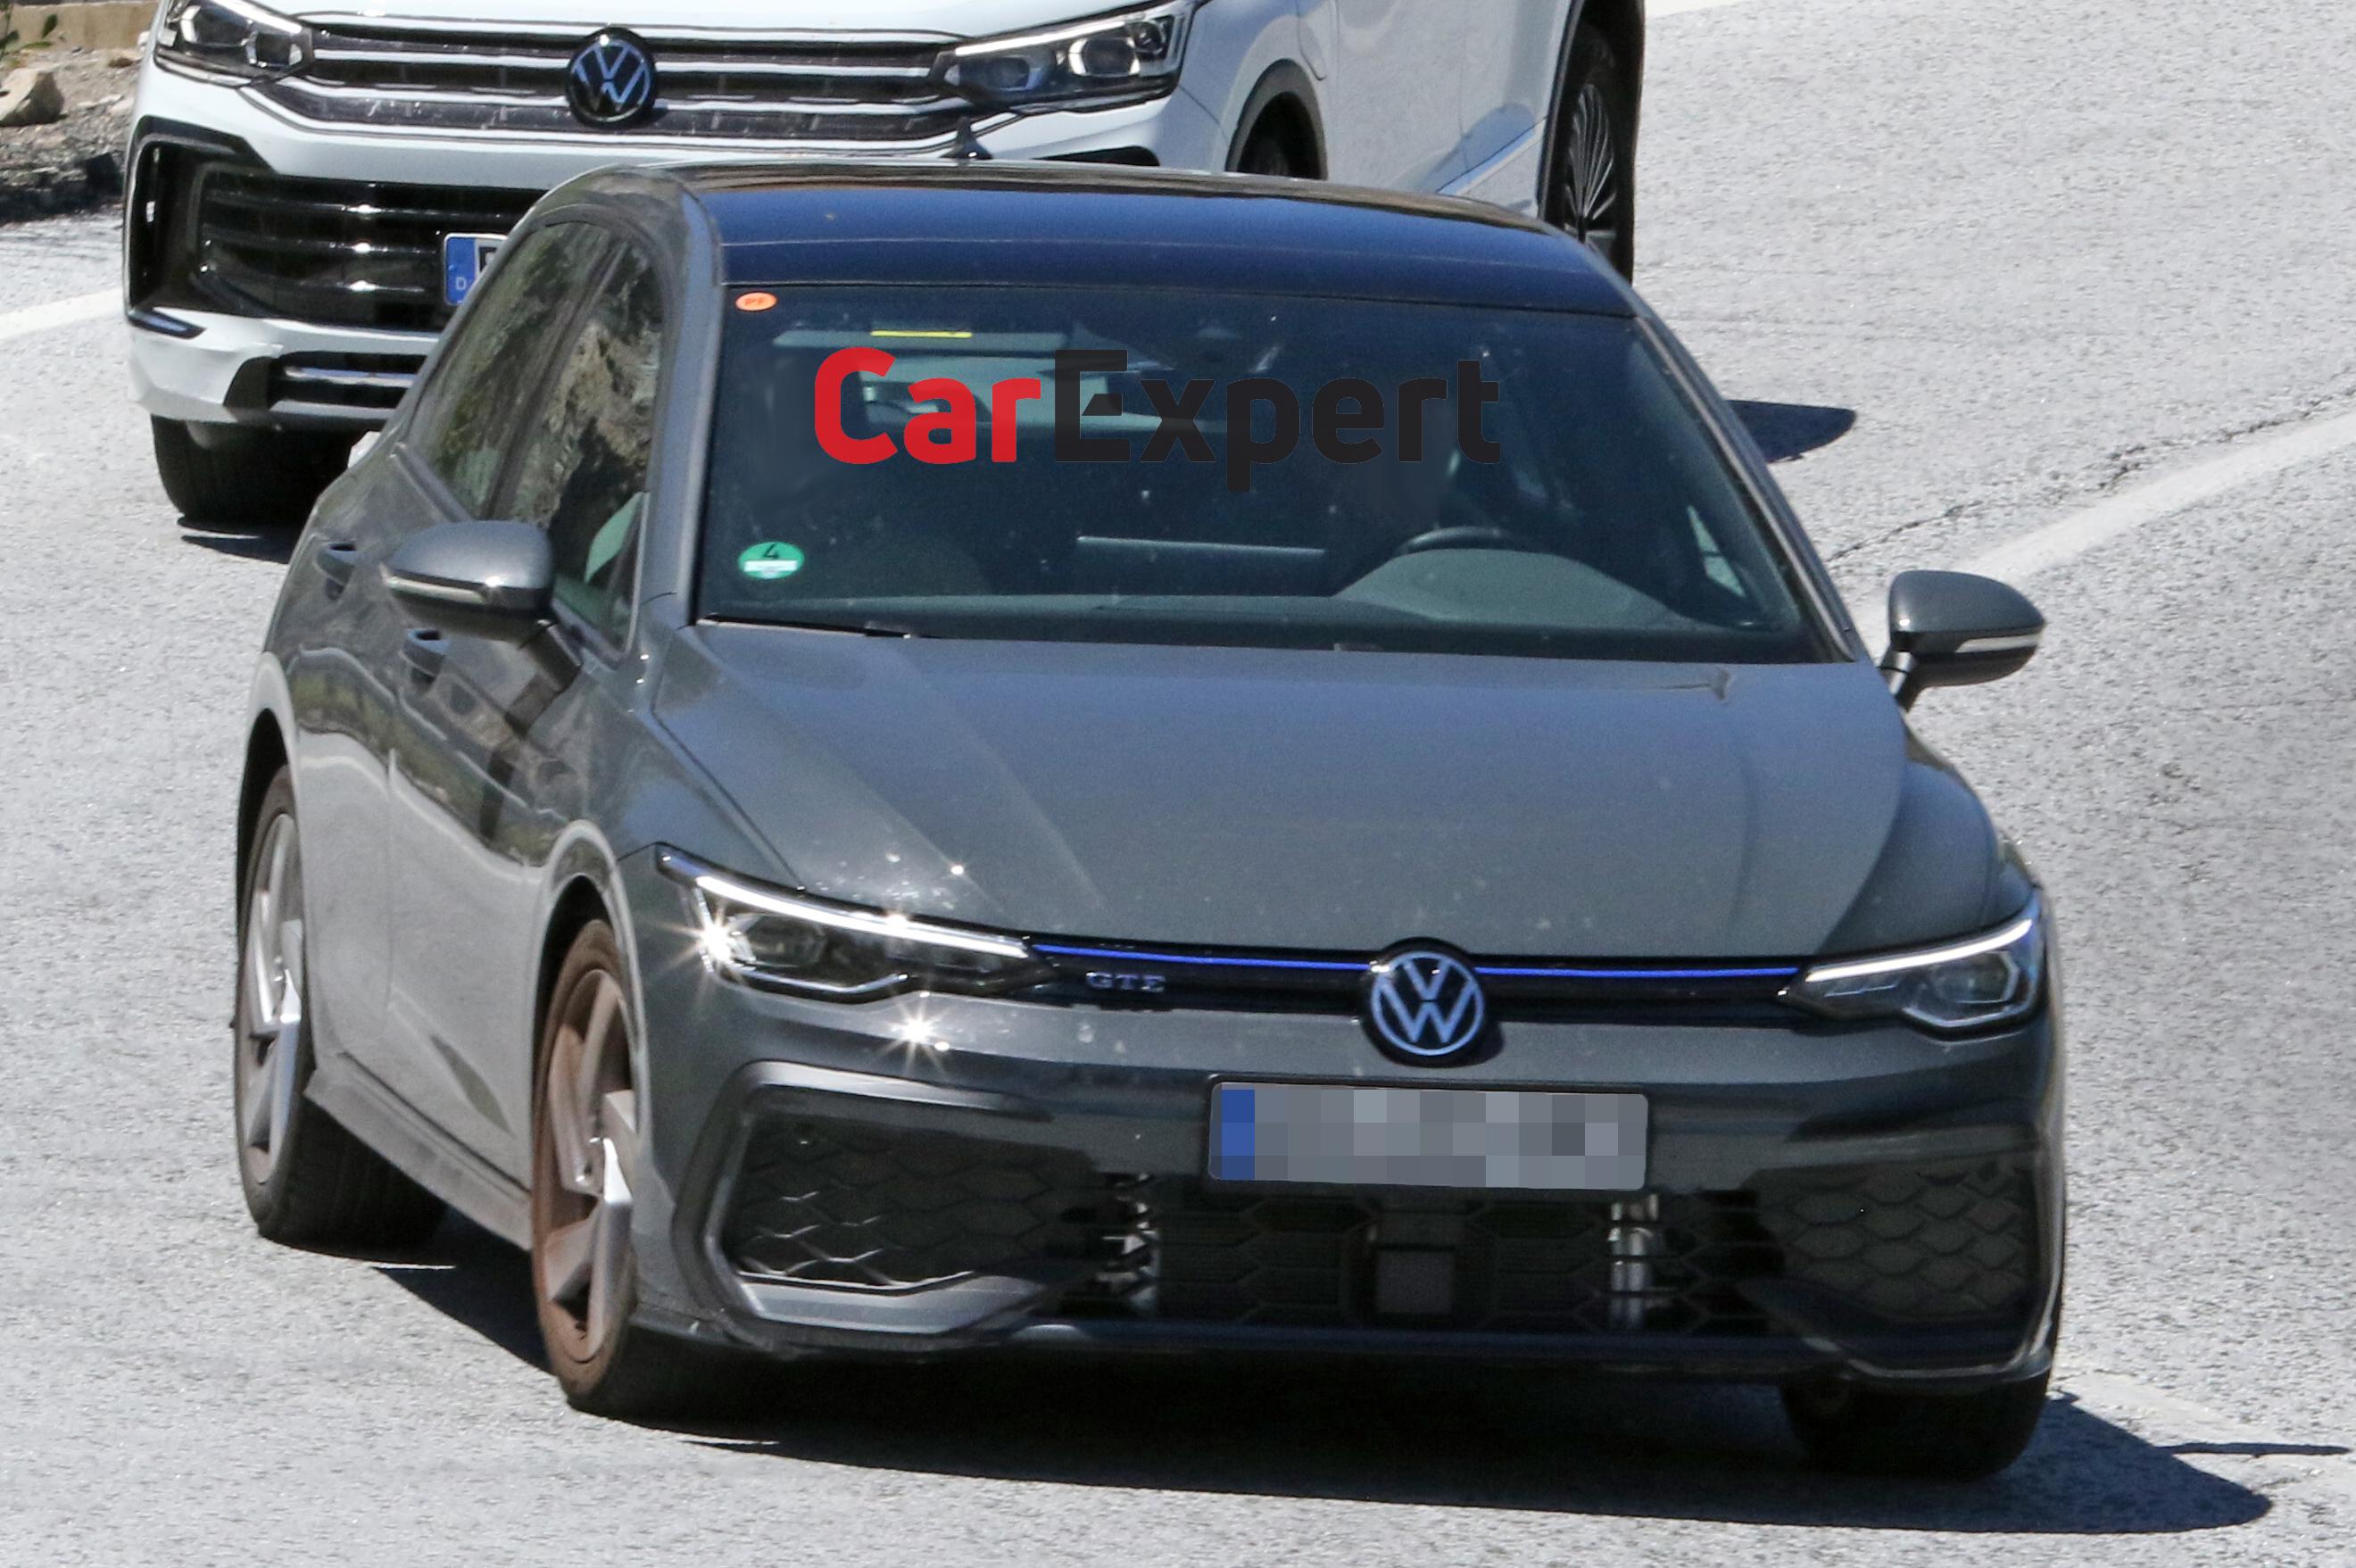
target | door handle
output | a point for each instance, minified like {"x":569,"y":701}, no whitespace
{"x":339,"y":559}
{"x":423,"y":650}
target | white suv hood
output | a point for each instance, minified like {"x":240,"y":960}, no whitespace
{"x":961,"y":18}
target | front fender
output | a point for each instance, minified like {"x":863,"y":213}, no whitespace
{"x":1236,"y":43}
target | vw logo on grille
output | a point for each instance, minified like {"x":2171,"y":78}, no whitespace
{"x":1425,"y":1005}
{"x":612,"y":82}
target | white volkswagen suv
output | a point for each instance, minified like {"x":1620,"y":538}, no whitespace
{"x":315,"y":184}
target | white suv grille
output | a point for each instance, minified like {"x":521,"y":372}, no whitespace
{"x":879,"y":94}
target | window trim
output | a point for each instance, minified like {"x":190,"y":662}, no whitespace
{"x":533,"y":387}
{"x":628,"y":241}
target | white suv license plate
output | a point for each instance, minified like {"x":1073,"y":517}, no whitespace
{"x":463,"y":257}
{"x":1340,"y":1134}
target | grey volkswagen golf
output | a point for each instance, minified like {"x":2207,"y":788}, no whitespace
{"x":922,"y":759}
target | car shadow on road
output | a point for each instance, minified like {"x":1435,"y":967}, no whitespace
{"x":467,"y":1273}
{"x":1549,"y":1442}
{"x":247,"y":544}
{"x":1788,"y":430}
{"x":1546,"y":1442}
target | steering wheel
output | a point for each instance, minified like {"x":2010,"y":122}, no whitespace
{"x":1472,"y":536}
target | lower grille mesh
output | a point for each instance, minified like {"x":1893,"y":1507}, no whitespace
{"x":831,"y":1204}
{"x":1911,"y":1242}
{"x":339,"y":252}
{"x":820,"y":1203}
{"x":1657,"y":1265}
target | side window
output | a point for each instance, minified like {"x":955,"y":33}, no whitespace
{"x":471,"y":407}
{"x":583,"y":470}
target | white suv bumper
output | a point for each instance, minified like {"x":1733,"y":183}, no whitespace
{"x":208,"y":365}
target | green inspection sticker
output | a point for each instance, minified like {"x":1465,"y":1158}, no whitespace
{"x":769,"y":561}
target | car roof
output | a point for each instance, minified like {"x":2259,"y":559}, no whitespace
{"x":1075,"y":224}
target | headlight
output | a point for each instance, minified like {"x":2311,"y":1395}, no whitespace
{"x":779,"y":940}
{"x":1974,"y":984}
{"x":1121,"y":59}
{"x":230,"y":39}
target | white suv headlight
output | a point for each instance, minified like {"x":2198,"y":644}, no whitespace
{"x":1976,"y":983}
{"x":1123,"y":57}
{"x":230,"y":38}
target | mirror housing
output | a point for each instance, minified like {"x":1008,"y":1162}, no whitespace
{"x":476,"y":579}
{"x":1953,"y":628}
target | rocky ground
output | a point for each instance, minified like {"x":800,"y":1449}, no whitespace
{"x":75,"y":162}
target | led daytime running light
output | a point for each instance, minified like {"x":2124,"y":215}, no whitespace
{"x":891,"y":926}
{"x":1927,"y":958}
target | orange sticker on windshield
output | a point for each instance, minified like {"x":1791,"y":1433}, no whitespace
{"x":756,"y":300}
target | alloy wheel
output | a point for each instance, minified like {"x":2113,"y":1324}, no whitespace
{"x":588,"y":1150}
{"x":270,"y":1043}
{"x":1588,"y":204}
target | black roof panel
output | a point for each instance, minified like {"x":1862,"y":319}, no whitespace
{"x":1076,"y":224}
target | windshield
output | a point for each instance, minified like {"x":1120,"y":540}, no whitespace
{"x":1220,"y":470}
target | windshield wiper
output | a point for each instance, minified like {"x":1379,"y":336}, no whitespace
{"x":857,"y":628}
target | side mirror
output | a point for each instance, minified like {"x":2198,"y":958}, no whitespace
{"x":476,"y":579}
{"x":1952,"y":628}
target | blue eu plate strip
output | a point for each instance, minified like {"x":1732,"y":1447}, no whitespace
{"x":1232,"y":1148}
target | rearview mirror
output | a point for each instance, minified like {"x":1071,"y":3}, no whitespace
{"x":1952,"y":628}
{"x":476,"y":579}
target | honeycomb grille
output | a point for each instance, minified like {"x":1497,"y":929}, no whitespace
{"x":1914,"y":1243}
{"x":824,"y":1204}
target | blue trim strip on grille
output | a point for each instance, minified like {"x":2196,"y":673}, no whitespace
{"x":1487,"y":972}
{"x":1491,"y":971}
{"x":1329,"y":966}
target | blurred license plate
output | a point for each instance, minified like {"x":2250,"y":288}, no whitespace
{"x":1428,"y":1137}
{"x":463,"y":257}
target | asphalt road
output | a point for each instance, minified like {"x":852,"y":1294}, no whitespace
{"x":1984,"y":269}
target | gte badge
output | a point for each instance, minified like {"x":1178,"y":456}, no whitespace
{"x":1127,"y":984}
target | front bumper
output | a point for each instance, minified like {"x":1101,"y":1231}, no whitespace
{"x":205,"y":351}
{"x":936,"y":1174}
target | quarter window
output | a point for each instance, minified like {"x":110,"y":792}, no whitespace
{"x":467,"y":425}
{"x":583,"y":471}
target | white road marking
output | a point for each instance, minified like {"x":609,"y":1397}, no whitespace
{"x":60,"y":313}
{"x":2068,"y":538}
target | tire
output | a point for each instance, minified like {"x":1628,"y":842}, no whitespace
{"x":1590,"y":185}
{"x":1928,"y":1436}
{"x":243,"y":478}
{"x":1266,"y":154}
{"x":307,"y":1181}
{"x":585,"y":1162}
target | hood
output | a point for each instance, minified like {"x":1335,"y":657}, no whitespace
{"x":1269,"y":797}
{"x":956,"y":18}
